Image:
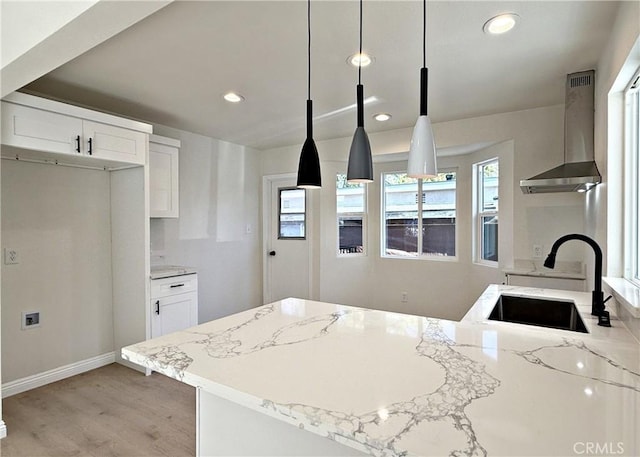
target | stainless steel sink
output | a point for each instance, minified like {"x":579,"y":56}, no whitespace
{"x":538,"y":311}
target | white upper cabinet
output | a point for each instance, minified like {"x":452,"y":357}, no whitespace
{"x":114,"y":143}
{"x":163,"y":176}
{"x":43,"y":128}
{"x":32,"y":128}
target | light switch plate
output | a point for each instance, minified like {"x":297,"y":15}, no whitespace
{"x":10,"y":256}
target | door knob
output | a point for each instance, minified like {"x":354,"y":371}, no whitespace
{"x":272,"y":253}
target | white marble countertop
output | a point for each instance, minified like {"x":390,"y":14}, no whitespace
{"x":393,"y":384}
{"x":627,"y":294}
{"x":168,"y":271}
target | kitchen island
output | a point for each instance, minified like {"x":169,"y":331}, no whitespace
{"x":299,"y":377}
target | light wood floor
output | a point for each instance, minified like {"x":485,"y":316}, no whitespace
{"x":111,"y":411}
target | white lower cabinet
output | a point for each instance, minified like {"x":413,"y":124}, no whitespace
{"x":174,"y":304}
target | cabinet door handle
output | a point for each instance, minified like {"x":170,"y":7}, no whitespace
{"x":173,"y":286}
{"x":90,"y":146}
{"x":158,"y":307}
{"x":78,"y":144}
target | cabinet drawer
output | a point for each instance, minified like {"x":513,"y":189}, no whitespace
{"x":175,"y":285}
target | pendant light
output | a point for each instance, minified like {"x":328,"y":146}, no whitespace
{"x":422,"y":152}
{"x":309,"y":166}
{"x":360,"y":167}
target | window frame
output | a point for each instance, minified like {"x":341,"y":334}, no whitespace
{"x":362,"y":214}
{"x":479,"y":212}
{"x":631,"y":198}
{"x":420,"y":216}
{"x":304,"y":213}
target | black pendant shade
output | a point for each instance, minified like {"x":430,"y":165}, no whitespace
{"x":360,"y":168}
{"x":309,"y":166}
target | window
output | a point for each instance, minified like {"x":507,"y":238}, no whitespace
{"x":486,"y":205}
{"x":632,"y":187}
{"x":291,"y":214}
{"x":419,"y":215}
{"x":351,"y":206}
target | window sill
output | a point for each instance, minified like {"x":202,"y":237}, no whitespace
{"x":626,"y":293}
{"x":436,"y":258}
{"x":486,"y":263}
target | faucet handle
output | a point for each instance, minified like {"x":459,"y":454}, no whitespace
{"x":607,"y":299}
{"x":603,"y":318}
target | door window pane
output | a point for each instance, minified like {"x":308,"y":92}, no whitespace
{"x":292,"y":216}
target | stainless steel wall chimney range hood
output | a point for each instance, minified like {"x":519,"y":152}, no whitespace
{"x":579,"y":172}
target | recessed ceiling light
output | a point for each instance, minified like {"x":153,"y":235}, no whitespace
{"x":500,"y":24}
{"x":381,"y":117}
{"x":362,"y":60}
{"x":233,"y":97}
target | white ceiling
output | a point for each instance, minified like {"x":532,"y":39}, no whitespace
{"x":173,"y":67}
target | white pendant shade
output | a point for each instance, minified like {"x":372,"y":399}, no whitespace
{"x":422,"y":153}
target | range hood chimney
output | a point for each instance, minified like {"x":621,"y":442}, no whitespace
{"x":579,"y":172}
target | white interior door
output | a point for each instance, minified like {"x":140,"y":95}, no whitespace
{"x":287,"y":242}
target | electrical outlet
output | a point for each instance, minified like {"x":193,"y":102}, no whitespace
{"x":10,"y":256}
{"x":538,"y":251}
{"x":405,"y":297}
{"x":30,"y":319}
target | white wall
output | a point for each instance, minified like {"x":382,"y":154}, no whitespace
{"x":531,"y":139}
{"x":3,"y":427}
{"x":57,"y":218}
{"x":219,"y":201}
{"x":620,"y":58}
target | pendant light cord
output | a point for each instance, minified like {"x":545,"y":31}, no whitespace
{"x":309,"y":50}
{"x":424,"y":33}
{"x":360,"y":63}
{"x":424,"y":73}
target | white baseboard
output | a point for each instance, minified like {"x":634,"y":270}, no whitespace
{"x":3,"y":429}
{"x":47,"y":377}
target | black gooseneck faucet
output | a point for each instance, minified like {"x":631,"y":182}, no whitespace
{"x":597,"y":297}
